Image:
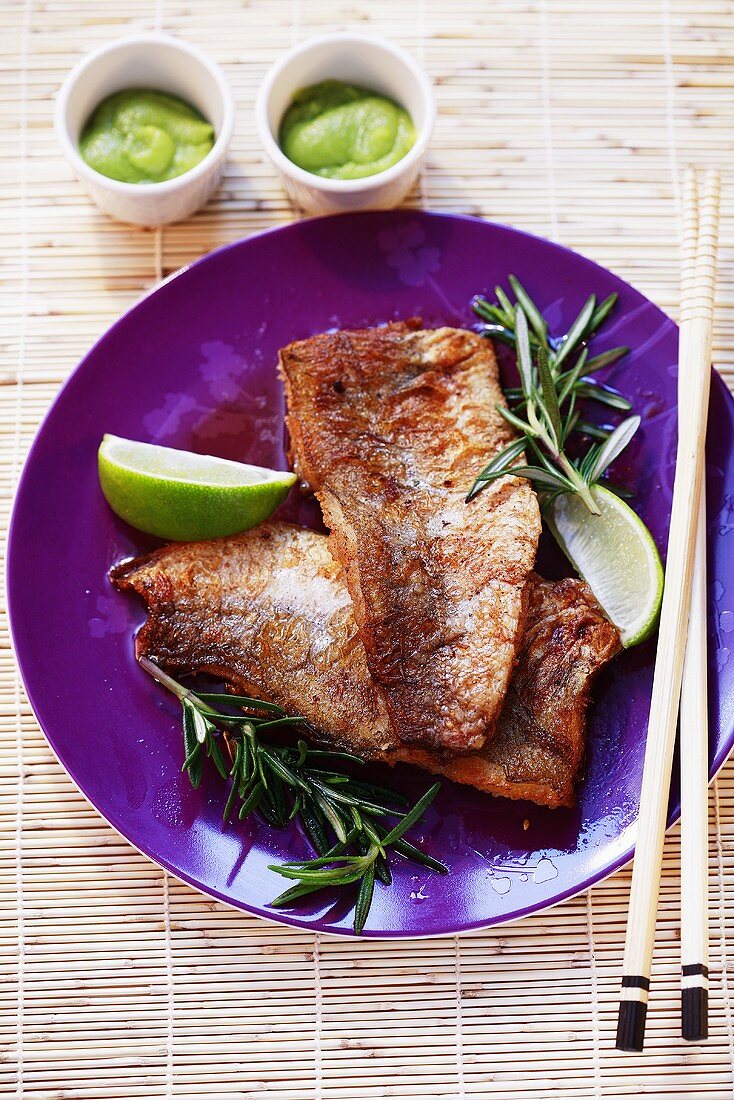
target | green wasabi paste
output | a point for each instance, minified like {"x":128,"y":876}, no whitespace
{"x":141,"y":136}
{"x":345,"y":132}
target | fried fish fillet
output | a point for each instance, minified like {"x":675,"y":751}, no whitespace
{"x":389,"y":427}
{"x":268,"y":612}
{"x":539,"y":745}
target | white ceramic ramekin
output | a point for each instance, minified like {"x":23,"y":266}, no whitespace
{"x":164,"y":64}
{"x":358,"y":59}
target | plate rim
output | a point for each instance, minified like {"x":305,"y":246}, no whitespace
{"x":313,"y":923}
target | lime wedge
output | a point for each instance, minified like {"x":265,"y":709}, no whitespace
{"x":184,"y":496}
{"x":615,"y":554}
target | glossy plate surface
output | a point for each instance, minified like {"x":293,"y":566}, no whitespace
{"x":193,"y":365}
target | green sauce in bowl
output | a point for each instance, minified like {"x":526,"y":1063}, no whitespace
{"x":142,"y":136}
{"x":345,"y":132}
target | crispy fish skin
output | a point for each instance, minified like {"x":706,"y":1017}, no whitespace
{"x":268,"y":612}
{"x":265,"y":612}
{"x":389,"y":427}
{"x":538,"y":749}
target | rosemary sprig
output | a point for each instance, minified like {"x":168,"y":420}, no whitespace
{"x":501,"y":315}
{"x":553,"y":378}
{"x":353,"y":824}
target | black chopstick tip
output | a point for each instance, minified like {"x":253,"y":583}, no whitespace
{"x":631,"y":1025}
{"x":694,"y":1013}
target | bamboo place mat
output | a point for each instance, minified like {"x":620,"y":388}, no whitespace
{"x":565,"y":117}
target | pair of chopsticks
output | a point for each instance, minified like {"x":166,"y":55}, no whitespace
{"x":680,"y":666}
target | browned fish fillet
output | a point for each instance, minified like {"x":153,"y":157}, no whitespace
{"x":390,"y":427}
{"x":539,"y":745}
{"x":268,"y":612}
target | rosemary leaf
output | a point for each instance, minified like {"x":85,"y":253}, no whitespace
{"x":412,"y":816}
{"x":313,"y":825}
{"x":269,"y":806}
{"x":382,"y":870}
{"x":501,"y":463}
{"x":372,"y":832}
{"x":302,"y":753}
{"x":335,"y":854}
{"x":594,"y":431}
{"x":253,"y":799}
{"x":332,"y":815}
{"x":237,"y":758}
{"x":571,"y":424}
{"x":570,"y":420}
{"x":577,"y":331}
{"x":203,"y":726}
{"x":534,"y":316}
{"x":329,"y":778}
{"x":277,"y":795}
{"x":618,"y":490}
{"x":364,"y":899}
{"x":286,"y":899}
{"x":518,"y":424}
{"x":524,"y":358}
{"x":405,"y":848}
{"x":506,"y":456}
{"x":261,"y":767}
{"x":499,"y":332}
{"x":230,"y":803}
{"x":606,"y":358}
{"x":601,"y":312}
{"x":278,"y":765}
{"x":541,"y":477}
{"x":613,"y":447}
{"x":550,"y":397}
{"x":193,"y":765}
{"x":248,"y":766}
{"x":281,"y":723}
{"x":232,"y":721}
{"x":605,"y":394}
{"x":346,"y":869}
{"x":588,"y":461}
{"x":191,"y":741}
{"x":336,"y":755}
{"x":491,"y":313}
{"x":372,"y":792}
{"x":340,"y":796}
{"x":503,"y":300}
{"x":215,"y":753}
{"x":570,"y":378}
{"x":238,"y":701}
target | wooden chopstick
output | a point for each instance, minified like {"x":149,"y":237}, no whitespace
{"x":694,"y":739}
{"x":694,"y":367}
{"x":694,"y":777}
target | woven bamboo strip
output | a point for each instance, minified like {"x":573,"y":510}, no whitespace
{"x":562,"y":117}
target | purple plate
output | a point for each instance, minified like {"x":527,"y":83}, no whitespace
{"x":193,"y":366}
